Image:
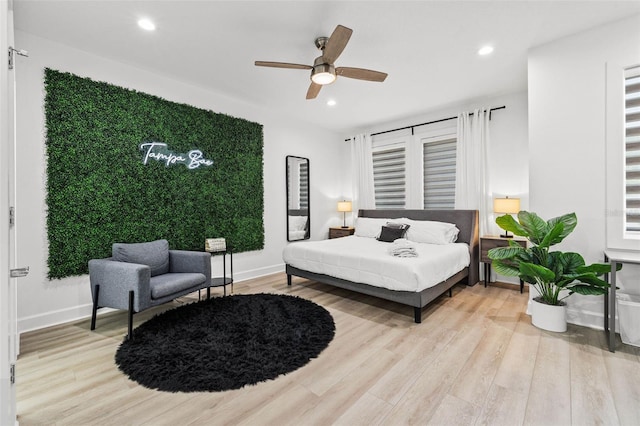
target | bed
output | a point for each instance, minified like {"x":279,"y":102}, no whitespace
{"x":298,"y":224}
{"x":390,"y":281}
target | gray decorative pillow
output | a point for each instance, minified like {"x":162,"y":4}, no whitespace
{"x":154,"y":254}
{"x":397,"y":225}
{"x":390,"y":234}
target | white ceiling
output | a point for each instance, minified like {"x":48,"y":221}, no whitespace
{"x":428,"y":48}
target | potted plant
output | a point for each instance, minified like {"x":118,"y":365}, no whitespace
{"x":555,"y":275}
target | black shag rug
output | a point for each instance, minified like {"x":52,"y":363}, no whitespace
{"x":225,"y":343}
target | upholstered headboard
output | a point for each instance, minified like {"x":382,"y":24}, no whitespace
{"x":465,"y":220}
{"x":300,"y":212}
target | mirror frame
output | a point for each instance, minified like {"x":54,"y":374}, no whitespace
{"x":297,"y":211}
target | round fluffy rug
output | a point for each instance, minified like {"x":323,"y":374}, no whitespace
{"x":225,"y":343}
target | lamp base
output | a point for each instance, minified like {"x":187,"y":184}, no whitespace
{"x":344,"y":220}
{"x":506,"y":235}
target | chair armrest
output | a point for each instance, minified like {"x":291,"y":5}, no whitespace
{"x":116,"y":279}
{"x":191,"y":261}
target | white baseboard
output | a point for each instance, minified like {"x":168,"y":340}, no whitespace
{"x":80,"y":312}
{"x":49,"y":319}
{"x":257,"y":273}
{"x":589,"y":319}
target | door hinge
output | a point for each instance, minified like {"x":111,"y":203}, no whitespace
{"x":12,"y":372}
{"x":11,"y":58}
{"x":12,"y":216}
{"x":19,"y":272}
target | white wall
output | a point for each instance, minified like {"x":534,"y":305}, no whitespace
{"x":508,"y":150}
{"x":567,"y":142}
{"x":43,"y":302}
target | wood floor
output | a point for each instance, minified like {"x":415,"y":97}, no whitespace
{"x":475,"y":359}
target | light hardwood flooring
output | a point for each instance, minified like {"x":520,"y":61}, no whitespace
{"x":475,"y":359}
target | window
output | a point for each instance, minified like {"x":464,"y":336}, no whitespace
{"x":439,"y":171}
{"x":632,"y":150}
{"x":304,"y":189}
{"x":389,"y":176}
{"x":622,"y":149}
{"x":297,"y":173}
{"x":416,"y":171}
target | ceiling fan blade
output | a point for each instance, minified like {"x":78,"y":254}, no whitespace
{"x":282,"y":65}
{"x":336,"y":43}
{"x":313,"y":91}
{"x":361,"y":74}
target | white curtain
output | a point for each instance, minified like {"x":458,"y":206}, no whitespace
{"x":472,"y":178}
{"x":362,"y":166}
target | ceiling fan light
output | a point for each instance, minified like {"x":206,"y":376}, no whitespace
{"x":323,"y":74}
{"x":323,"y":78}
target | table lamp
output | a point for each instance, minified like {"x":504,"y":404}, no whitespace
{"x":506,"y":206}
{"x":344,"y":207}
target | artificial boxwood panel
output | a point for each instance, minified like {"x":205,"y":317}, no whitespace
{"x":100,"y":192}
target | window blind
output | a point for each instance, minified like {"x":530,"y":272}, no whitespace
{"x":304,"y":189}
{"x":389,"y":177}
{"x":632,"y":150}
{"x":439,"y":166}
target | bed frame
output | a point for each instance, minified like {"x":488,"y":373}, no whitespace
{"x":467,"y":223}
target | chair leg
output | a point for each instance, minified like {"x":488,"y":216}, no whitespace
{"x":95,"y":307}
{"x":130,"y":330}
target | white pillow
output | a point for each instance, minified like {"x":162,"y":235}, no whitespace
{"x":369,"y":227}
{"x":431,"y":232}
{"x":297,"y":223}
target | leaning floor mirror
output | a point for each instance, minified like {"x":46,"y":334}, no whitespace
{"x":298,"y":213}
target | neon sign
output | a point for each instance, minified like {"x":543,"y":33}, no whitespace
{"x":158,"y":151}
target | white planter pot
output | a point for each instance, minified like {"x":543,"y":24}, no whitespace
{"x":549,"y":317}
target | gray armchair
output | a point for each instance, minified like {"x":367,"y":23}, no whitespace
{"x":139,"y":276}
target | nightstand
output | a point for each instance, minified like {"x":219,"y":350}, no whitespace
{"x":487,"y":242}
{"x":338,"y":231}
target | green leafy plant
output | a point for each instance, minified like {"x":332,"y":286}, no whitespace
{"x":99,"y":191}
{"x":549,"y":272}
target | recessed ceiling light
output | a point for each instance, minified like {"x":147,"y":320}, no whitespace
{"x":331,"y":102}
{"x":146,"y":24}
{"x":485,"y":50}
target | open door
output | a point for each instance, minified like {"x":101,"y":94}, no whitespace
{"x":8,"y":275}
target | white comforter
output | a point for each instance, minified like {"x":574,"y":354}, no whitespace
{"x":367,"y":260}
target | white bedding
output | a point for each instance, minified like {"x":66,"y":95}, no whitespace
{"x":367,"y":260}
{"x":297,"y":235}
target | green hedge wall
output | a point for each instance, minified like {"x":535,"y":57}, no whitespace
{"x":100,"y":192}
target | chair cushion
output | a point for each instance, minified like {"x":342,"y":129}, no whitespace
{"x":173,"y":283}
{"x":154,"y":254}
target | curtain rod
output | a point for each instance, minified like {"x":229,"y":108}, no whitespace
{"x":428,"y":122}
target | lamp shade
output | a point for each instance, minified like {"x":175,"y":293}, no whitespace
{"x":506,"y":205}
{"x":344,"y":206}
